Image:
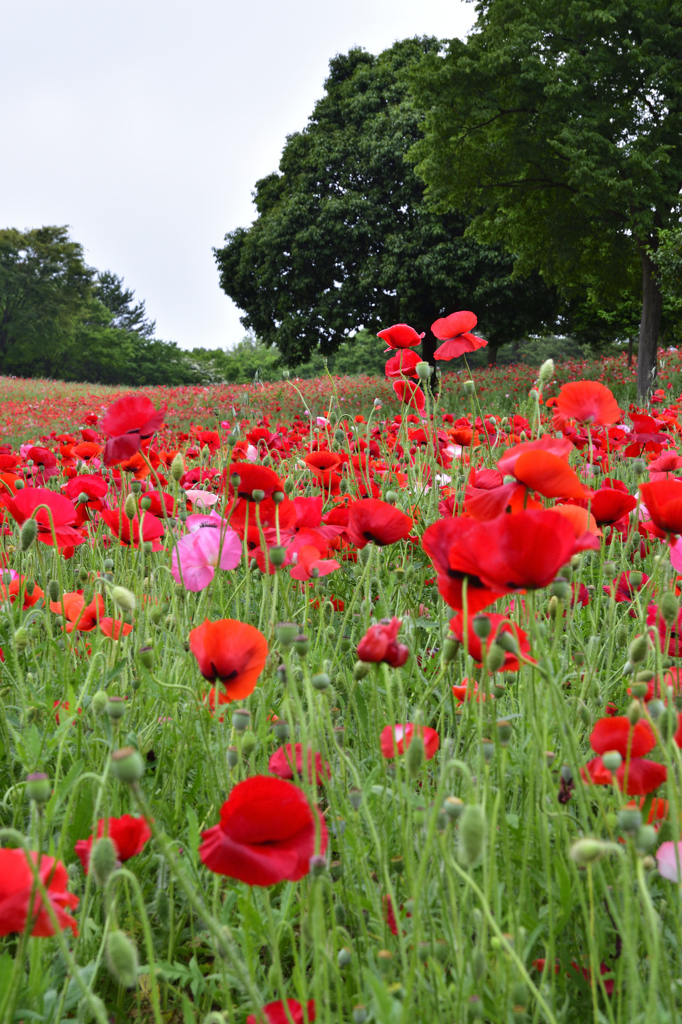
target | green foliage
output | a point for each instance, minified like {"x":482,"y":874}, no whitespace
{"x":59,"y":318}
{"x":559,"y":127}
{"x":344,"y":239}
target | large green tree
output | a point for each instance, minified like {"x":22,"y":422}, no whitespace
{"x":558,"y":125}
{"x":344,"y":239}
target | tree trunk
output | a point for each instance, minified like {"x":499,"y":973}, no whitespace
{"x":652,"y":304}
{"x":429,"y":345}
{"x":491,"y":354}
{"x":631,"y":342}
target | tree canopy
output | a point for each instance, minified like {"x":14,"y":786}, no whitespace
{"x":60,"y":318}
{"x":558,"y":128}
{"x":344,"y":239}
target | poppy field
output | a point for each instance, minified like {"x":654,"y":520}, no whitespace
{"x":343,"y":700}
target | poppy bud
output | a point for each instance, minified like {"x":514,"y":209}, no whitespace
{"x":488,"y":748}
{"x":130,"y":507}
{"x":391,"y":497}
{"x":609,"y":567}
{"x":453,"y":807}
{"x":232,"y":756}
{"x":478,"y":964}
{"x":495,"y":658}
{"x":634,"y":712}
{"x":414,"y":757}
{"x":385,"y":960}
{"x":99,"y":702}
{"x":54,"y":590}
{"x":38,"y":787}
{"x":127,"y":765}
{"x":361,"y":669}
{"x":249,"y":743}
{"x":21,"y":639}
{"x":586,"y":851}
{"x":504,"y":732}
{"x":241,"y":719}
{"x":360,"y":1014}
{"x":451,"y":646}
{"x":321,"y":681}
{"x":122,"y":958}
{"x":146,"y":655}
{"x":103,"y":859}
{"x":281,"y":729}
{"x":344,"y":957}
{"x":655,"y":708}
{"x":302,"y":644}
{"x":235,"y":480}
{"x":469,"y":387}
{"x":277,"y":556}
{"x":669,"y":607}
{"x":612,"y":760}
{"x":508,"y":642}
{"x":108,"y":564}
{"x":629,"y":820}
{"x":472,"y":830}
{"x":318,"y":864}
{"x":481,"y":626}
{"x":29,"y":532}
{"x":177,"y":467}
{"x":639,"y":466}
{"x":645,"y":838}
{"x":638,"y":650}
{"x":560,"y":589}
{"x":116,"y":708}
{"x":123,"y":599}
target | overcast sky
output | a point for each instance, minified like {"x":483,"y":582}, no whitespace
{"x":144,"y":124}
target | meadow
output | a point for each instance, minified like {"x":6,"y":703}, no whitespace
{"x":337,"y":700}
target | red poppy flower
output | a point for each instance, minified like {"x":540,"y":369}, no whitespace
{"x":128,"y":422}
{"x":322,"y":463}
{"x":11,"y":592}
{"x":468,"y":690}
{"x":128,"y":530}
{"x":442,"y":538}
{"x":524,"y":551}
{"x":252,"y":477}
{"x":663,"y":499}
{"x":45,"y":462}
{"x":61,"y":514}
{"x":561,"y":447}
{"x":395,"y":739}
{"x":411,"y":394}
{"x":403,"y":364}
{"x":587,"y":401}
{"x":608,"y":505}
{"x":499,"y":624}
{"x":379,"y":644}
{"x":128,"y":834}
{"x":17,"y":887}
{"x":160,"y":504}
{"x":454,"y":331}
{"x":638,"y":777}
{"x":79,"y":616}
{"x":594,"y":772}
{"x":373,"y":520}
{"x":287,"y":761}
{"x":267,"y":833}
{"x":114,"y":628}
{"x":673,"y":633}
{"x":548,"y":474}
{"x":309,"y":565}
{"x":617,"y":734}
{"x":400,"y":336}
{"x":277,"y":1013}
{"x":231,"y":651}
{"x":87,"y":486}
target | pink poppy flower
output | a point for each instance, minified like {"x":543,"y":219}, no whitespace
{"x":197,"y":555}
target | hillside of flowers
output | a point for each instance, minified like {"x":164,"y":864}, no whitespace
{"x":346,"y":700}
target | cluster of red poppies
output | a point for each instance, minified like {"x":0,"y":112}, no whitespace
{"x":501,"y":507}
